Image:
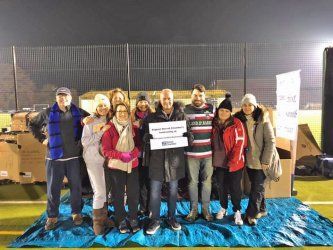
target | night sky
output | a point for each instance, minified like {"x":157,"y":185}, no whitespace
{"x":78,"y":22}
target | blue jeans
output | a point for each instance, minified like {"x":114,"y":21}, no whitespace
{"x":203,"y":169}
{"x":55,"y":172}
{"x":155,"y":198}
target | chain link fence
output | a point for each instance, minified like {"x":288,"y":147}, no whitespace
{"x":236,"y":67}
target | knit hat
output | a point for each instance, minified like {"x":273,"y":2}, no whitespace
{"x":249,"y":98}
{"x":226,"y":103}
{"x":142,"y":96}
{"x":101,"y":99}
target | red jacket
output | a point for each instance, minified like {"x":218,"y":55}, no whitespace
{"x":235,"y":143}
{"x":109,"y":142}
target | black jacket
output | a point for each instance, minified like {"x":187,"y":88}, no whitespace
{"x":165,"y":164}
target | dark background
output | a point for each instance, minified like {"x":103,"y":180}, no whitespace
{"x":81,"y":22}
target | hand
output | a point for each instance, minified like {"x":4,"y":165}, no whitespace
{"x":186,"y":134}
{"x":264,"y":166}
{"x":106,"y":127}
{"x":87,"y":120}
{"x":126,"y":157}
{"x":146,"y":138}
{"x":45,"y":142}
{"x":136,"y":124}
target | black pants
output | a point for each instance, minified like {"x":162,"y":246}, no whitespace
{"x":229,"y":182}
{"x":257,"y":194}
{"x":144,"y":186}
{"x":120,"y":182}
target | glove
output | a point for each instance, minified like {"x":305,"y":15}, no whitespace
{"x":146,"y":138}
{"x":126,"y":157}
{"x":186,"y":134}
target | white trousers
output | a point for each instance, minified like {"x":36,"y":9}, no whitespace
{"x":97,"y":180}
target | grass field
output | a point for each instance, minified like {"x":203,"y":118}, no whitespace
{"x":15,"y":218}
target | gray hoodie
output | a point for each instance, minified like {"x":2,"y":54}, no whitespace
{"x":91,"y":137}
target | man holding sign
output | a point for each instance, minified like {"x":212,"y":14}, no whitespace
{"x":164,"y":154}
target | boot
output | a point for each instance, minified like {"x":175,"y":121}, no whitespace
{"x":99,"y":218}
{"x":108,"y":222}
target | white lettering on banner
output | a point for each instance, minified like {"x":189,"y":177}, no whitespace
{"x":287,"y":107}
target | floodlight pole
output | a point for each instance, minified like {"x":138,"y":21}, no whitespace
{"x":128,"y":73}
{"x":245,"y":68}
{"x":15,"y":78}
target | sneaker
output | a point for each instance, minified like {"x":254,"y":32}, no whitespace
{"x":77,"y":219}
{"x":50,"y":223}
{"x":261,"y":214}
{"x":221,"y":214}
{"x":123,"y":228}
{"x":153,"y":226}
{"x":174,"y":224}
{"x":207,"y":215}
{"x":134,"y":223}
{"x":251,"y":221}
{"x":192,"y":216}
{"x":238,"y":218}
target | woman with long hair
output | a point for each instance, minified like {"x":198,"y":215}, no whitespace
{"x":228,"y":143}
{"x":119,"y":148}
{"x":259,"y":154}
{"x":91,"y":137}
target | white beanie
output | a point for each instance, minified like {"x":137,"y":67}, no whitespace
{"x":101,"y":99}
{"x":249,"y":98}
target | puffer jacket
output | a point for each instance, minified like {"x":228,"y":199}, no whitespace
{"x":263,"y":133}
{"x":165,"y":164}
{"x":235,"y":143}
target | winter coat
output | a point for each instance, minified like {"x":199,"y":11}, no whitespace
{"x":165,"y":164}
{"x":263,"y":133}
{"x":235,"y":143}
{"x":109,"y":142}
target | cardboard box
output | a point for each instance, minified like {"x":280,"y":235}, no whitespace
{"x":306,"y":143}
{"x":20,"y":120}
{"x":22,"y":158}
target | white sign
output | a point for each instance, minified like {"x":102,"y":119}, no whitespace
{"x":168,"y":135}
{"x":167,"y":129}
{"x":287,"y":108}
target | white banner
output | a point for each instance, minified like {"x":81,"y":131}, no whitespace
{"x":168,"y":135}
{"x":287,"y":108}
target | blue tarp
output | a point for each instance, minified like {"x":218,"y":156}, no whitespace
{"x":289,"y":223}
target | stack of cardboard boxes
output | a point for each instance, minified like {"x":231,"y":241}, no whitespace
{"x":22,"y":157}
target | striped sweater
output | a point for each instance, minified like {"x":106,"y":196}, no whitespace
{"x":201,"y":126}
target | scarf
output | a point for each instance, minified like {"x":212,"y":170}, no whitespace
{"x":125,"y":144}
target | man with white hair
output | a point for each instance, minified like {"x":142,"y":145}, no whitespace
{"x":59,"y":128}
{"x":165,"y":165}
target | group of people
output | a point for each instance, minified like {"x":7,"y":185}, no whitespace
{"x":119,"y":159}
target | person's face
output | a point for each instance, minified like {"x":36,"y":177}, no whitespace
{"x":166,"y":99}
{"x":122,"y":114}
{"x":224,"y":114}
{"x":198,"y":98}
{"x":117,"y":98}
{"x":102,"y":109}
{"x":63,"y":100}
{"x":248,"y":108}
{"x":143,"y":105}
